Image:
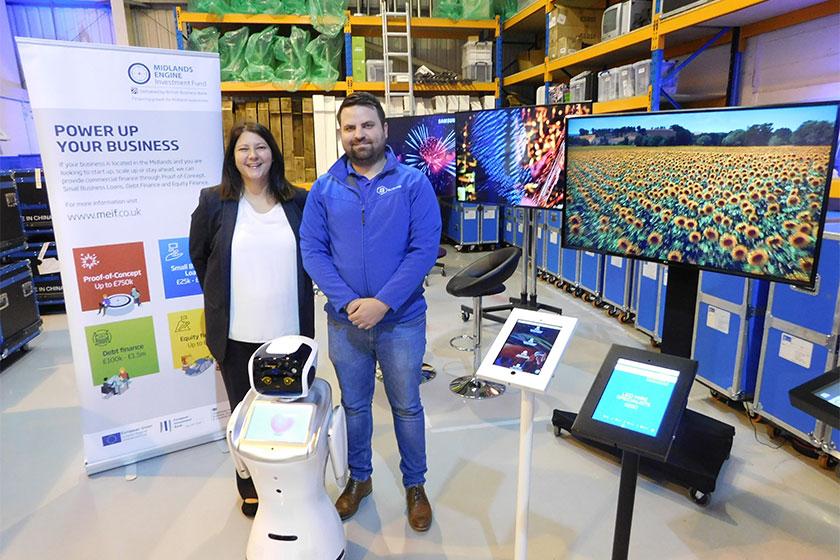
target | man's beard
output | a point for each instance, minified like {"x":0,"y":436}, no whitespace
{"x":373,"y":156}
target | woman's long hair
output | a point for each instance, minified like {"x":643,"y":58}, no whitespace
{"x":231,"y":186}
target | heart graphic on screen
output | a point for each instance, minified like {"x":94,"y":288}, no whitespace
{"x":280,"y":423}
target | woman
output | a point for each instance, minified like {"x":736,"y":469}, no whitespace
{"x":244,"y":246}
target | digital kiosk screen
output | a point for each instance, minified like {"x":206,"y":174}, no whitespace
{"x":830,"y":393}
{"x":636,"y":396}
{"x":637,"y":401}
{"x":526,"y":347}
{"x":279,"y":423}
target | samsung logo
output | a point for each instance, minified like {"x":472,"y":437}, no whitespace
{"x":450,"y":120}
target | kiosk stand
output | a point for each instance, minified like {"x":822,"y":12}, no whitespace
{"x":635,"y":404}
{"x":525,"y":354}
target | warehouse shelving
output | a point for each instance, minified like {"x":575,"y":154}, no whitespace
{"x":669,"y":36}
{"x":365,"y":26}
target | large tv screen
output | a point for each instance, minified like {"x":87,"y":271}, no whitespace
{"x":514,"y":155}
{"x":741,"y":190}
{"x":427,"y":143}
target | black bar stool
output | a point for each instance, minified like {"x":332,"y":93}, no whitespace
{"x":484,"y":277}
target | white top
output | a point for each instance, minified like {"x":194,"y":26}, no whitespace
{"x":263,"y":276}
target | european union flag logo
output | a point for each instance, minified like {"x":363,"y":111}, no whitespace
{"x":111,"y":439}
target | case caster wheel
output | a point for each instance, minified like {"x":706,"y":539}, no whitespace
{"x":826,"y":462}
{"x":578,"y":292}
{"x":465,"y":316}
{"x":698,"y":497}
{"x":612,"y":312}
{"x":560,"y":284}
{"x":626,"y":317}
{"x":774,"y":432}
{"x":598,"y":303}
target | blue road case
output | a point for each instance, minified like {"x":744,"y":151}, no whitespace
{"x":553,"y":219}
{"x":618,"y":283}
{"x":519,"y":233}
{"x":463,"y":224}
{"x":34,"y":204}
{"x":540,"y":239}
{"x":509,"y":225}
{"x":489,"y":225}
{"x":591,"y":275}
{"x":651,"y":282}
{"x":801,"y":333}
{"x":20,"y":321}
{"x":728,"y":328}
{"x":570,"y":270}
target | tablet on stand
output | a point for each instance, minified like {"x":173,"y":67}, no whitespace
{"x":526,"y":354}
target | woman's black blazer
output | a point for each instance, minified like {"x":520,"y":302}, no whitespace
{"x":211,"y":233}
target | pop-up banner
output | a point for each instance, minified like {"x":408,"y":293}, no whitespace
{"x":128,"y":137}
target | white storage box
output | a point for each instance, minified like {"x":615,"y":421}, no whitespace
{"x":376,"y":70}
{"x":478,"y":72}
{"x":607,"y":85}
{"x":641,"y":71}
{"x":481,"y":51}
{"x":626,"y":81}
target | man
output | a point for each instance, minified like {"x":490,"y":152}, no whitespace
{"x":370,"y":233}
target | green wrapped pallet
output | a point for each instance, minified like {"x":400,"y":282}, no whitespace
{"x":328,"y":16}
{"x":293,"y":60}
{"x":325,"y":53}
{"x":232,"y":54}
{"x":204,"y":40}
{"x":259,"y":56}
{"x":218,"y":7}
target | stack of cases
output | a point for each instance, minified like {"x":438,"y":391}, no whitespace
{"x":41,"y":252}
{"x":477,"y":61}
{"x":728,"y":327}
{"x":801,"y":333}
{"x":472,"y":224}
{"x":20,"y":321}
{"x":650,"y":281}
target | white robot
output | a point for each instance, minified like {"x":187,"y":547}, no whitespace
{"x":280,"y":435}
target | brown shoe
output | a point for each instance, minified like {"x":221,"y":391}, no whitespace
{"x":419,"y":509}
{"x":348,"y":503}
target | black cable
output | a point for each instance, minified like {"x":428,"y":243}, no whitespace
{"x":755,"y":431}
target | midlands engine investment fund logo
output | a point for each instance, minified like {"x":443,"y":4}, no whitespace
{"x":139,"y":73}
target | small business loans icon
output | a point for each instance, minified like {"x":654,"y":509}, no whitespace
{"x":139,"y":73}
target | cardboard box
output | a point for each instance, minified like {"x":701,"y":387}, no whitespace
{"x":529,"y":59}
{"x":562,"y":46}
{"x":576,"y":22}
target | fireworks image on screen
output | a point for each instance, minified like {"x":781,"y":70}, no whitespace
{"x":430,"y":154}
{"x":426,"y":143}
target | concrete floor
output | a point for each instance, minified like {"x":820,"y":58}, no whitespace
{"x":769,"y":504}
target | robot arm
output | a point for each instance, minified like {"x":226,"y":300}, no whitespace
{"x":337,"y":438}
{"x":231,"y":435}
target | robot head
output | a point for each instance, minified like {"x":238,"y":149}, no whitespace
{"x":284,"y":367}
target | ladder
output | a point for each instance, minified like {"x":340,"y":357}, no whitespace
{"x":397,"y":9}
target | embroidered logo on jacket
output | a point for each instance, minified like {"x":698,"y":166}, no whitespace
{"x":383,"y":189}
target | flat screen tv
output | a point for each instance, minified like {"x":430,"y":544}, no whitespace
{"x":741,"y":191}
{"x":515,"y":155}
{"x":427,"y":143}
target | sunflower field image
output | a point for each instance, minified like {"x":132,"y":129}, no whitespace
{"x":739,"y":191}
{"x":514,"y":155}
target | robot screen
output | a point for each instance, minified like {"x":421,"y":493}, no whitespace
{"x":279,"y":422}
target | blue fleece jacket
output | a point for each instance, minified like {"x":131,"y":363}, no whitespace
{"x":373,"y":239}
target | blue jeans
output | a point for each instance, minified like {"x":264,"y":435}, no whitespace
{"x":399,"y":349}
